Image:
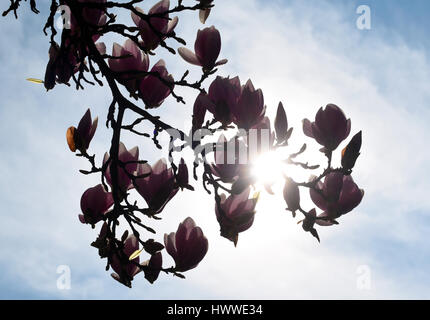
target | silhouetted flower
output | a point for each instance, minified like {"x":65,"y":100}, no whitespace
{"x":159,"y":187}
{"x":152,"y":89}
{"x":182,"y":176}
{"x":235,"y":214}
{"x":92,"y":16}
{"x":223,"y":96}
{"x":228,"y":159}
{"x":206,"y":49}
{"x":187,"y":246}
{"x":154,"y":267}
{"x":124,"y":268}
{"x":292,"y":195}
{"x":80,"y":138}
{"x":337,"y":195}
{"x":309,"y":222}
{"x":137,"y":61}
{"x":158,"y":28}
{"x":330,"y":127}
{"x":283,"y":133}
{"x":199,"y":111}
{"x":95,"y":202}
{"x":250,"y":108}
{"x":61,"y":66}
{"x":126,"y":168}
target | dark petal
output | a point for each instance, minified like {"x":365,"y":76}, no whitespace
{"x":350,"y":196}
{"x":154,"y":267}
{"x":307,"y":128}
{"x":84,"y":126}
{"x":333,"y":185}
{"x":189,"y":56}
{"x":281,"y":124}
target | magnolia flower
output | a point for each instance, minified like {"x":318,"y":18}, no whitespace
{"x":154,"y":266}
{"x":223,"y":96}
{"x":126,"y":269}
{"x":95,"y":202}
{"x":206,"y":47}
{"x":157,"y":188}
{"x":235,"y":214}
{"x":182,"y":176}
{"x":309,"y":222}
{"x":152,"y":89}
{"x":330,"y":127}
{"x":250,"y":107}
{"x":292,"y":195}
{"x":93,"y":16}
{"x":281,"y":125}
{"x":229,"y":159}
{"x":158,"y":28}
{"x":80,"y":138}
{"x":199,"y":111}
{"x":137,"y":61}
{"x":187,"y":246}
{"x":337,"y":195}
{"x":61,"y":66}
{"x":126,"y":168}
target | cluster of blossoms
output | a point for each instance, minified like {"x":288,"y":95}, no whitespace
{"x":226,"y":106}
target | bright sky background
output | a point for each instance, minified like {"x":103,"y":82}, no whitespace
{"x":305,"y":54}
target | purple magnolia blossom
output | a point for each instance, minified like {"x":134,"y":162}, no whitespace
{"x":206,"y":49}
{"x":250,"y":107}
{"x":157,"y":188}
{"x":80,"y":138}
{"x":182,"y":179}
{"x":154,"y":267}
{"x":199,"y":111}
{"x":124,"y":268}
{"x":337,"y":195}
{"x":128,"y":168}
{"x":330,"y":127}
{"x":228,"y":162}
{"x":93,"y":16}
{"x":283,"y":133}
{"x":292,"y":195}
{"x":187,"y":246}
{"x":158,"y":28}
{"x":61,"y":66}
{"x":152,"y":89}
{"x":137,"y":61}
{"x":223,"y":96}
{"x":235,"y":214}
{"x":95,"y":202}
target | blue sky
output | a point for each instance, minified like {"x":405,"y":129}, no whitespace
{"x":305,"y":54}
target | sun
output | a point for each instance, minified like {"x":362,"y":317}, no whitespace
{"x":269,"y":168}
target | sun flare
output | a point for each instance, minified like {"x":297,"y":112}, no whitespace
{"x":269,"y":168}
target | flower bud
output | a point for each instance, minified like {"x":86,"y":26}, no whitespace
{"x":351,"y":152}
